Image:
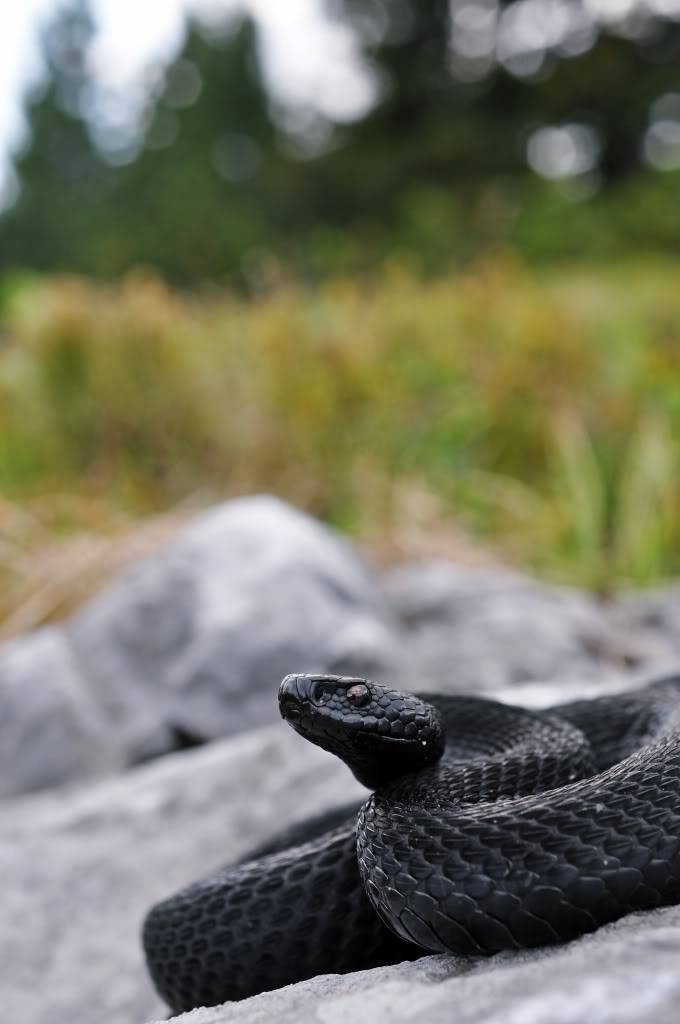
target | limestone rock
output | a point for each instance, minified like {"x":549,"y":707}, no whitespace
{"x":625,"y":973}
{"x":81,"y":866}
{"x":654,"y":617}
{"x":190,"y":645}
{"x":51,"y":729}
{"x":479,"y":630}
{"x":251,"y":591}
{"x":80,"y":869}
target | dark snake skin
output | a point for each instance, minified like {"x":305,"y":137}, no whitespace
{"x":490,"y":828}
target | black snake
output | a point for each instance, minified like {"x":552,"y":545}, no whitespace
{"x":489,"y":828}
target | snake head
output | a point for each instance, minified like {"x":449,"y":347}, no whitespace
{"x":379,"y":732}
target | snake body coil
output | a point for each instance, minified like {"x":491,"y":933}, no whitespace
{"x":489,"y":828}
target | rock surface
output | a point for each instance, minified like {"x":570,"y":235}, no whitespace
{"x":626,"y":973}
{"x":189,"y":647}
{"x":653,"y":616}
{"x":51,"y":728}
{"x":479,"y":630}
{"x":80,"y":868}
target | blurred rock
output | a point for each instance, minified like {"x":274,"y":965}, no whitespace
{"x":50,"y":727}
{"x":480,"y":630}
{"x":191,"y":645}
{"x":654,"y":617}
{"x":80,"y":870}
{"x":623,"y":974}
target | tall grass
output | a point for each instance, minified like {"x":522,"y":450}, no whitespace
{"x":541,"y":412}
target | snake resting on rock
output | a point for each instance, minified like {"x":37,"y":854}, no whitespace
{"x":489,"y":828}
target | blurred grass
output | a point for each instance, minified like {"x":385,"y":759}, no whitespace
{"x":538,"y":412}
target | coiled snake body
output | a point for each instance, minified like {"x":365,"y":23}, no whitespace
{"x":489,"y":828}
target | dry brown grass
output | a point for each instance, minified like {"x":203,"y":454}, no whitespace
{"x":44,"y":578}
{"x":536,"y":416}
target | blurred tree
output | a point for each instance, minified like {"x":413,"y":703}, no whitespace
{"x":65,"y":186}
{"x":466,"y":92}
{"x":464,"y":82}
{"x":197,"y":196}
{"x":202,"y":196}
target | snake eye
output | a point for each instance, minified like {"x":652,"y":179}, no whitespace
{"x":358,"y":695}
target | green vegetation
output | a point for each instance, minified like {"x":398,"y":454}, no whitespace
{"x":539,"y":412}
{"x":458,"y":351}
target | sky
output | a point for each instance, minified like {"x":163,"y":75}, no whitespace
{"x":309,"y":61}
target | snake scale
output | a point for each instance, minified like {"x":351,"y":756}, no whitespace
{"x":489,"y":828}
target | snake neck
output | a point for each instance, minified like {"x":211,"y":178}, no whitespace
{"x":379,"y":759}
{"x":377,"y":764}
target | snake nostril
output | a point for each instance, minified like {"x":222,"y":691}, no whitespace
{"x":290,"y":707}
{"x":290,"y":698}
{"x":291,"y":711}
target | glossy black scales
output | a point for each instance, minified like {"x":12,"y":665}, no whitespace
{"x":489,"y":828}
{"x":279,"y":918}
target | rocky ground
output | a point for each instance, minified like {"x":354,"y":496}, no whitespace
{"x":626,"y":974}
{"x":106,"y":808}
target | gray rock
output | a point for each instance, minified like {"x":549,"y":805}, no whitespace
{"x":50,"y":727}
{"x":251,"y":591}
{"x":189,"y":645}
{"x":80,"y":868}
{"x":654,"y":617}
{"x":479,"y":629}
{"x":626,"y":973}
